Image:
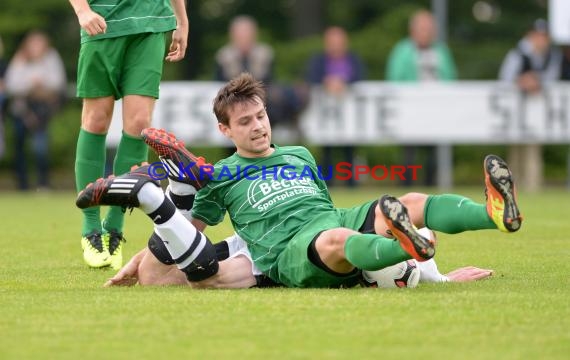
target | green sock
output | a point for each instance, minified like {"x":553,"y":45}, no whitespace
{"x":453,"y":214}
{"x":89,"y":166}
{"x":131,"y":151}
{"x":373,"y":252}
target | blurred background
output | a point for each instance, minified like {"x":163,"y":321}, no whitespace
{"x":478,"y":34}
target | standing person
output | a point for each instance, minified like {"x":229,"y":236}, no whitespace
{"x":335,"y":68}
{"x":533,"y":63}
{"x":121,"y":57}
{"x":35,"y":84}
{"x":420,"y":57}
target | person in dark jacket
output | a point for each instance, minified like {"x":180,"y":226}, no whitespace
{"x":335,"y":68}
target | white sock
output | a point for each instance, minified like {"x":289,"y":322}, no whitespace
{"x":150,"y":198}
{"x":179,"y":188}
{"x":429,"y":272}
{"x":179,"y":235}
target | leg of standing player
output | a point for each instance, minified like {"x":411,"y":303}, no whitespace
{"x":114,"y":63}
{"x":89,"y":166}
{"x":141,"y":72}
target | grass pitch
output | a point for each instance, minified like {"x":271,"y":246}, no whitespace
{"x":53,"y":307}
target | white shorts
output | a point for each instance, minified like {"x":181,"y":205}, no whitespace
{"x":237,"y":246}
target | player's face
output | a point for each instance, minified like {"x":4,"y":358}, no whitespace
{"x":249,"y":129}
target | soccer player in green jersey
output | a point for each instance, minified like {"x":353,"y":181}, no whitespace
{"x":121,"y":57}
{"x":294,"y":233}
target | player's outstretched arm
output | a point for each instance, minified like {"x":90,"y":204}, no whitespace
{"x":469,"y":273}
{"x":89,"y":20}
{"x":179,"y":43}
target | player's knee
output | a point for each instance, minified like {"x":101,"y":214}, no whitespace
{"x":203,"y":267}
{"x":159,"y":250}
{"x":136,"y":123}
{"x":413,"y":199}
{"x":333,"y":240}
{"x":96,"y":122}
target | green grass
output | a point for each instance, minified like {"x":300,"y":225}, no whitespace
{"x":52,"y":306}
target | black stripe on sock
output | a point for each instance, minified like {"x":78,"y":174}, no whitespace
{"x":164,"y":212}
{"x":191,"y":249}
{"x":183,"y":202}
{"x":222,"y":250}
{"x":204,"y":266}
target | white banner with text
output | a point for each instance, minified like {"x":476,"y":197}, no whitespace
{"x":375,"y":112}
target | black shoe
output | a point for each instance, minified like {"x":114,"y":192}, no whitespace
{"x":119,"y":191}
{"x":181,"y":164}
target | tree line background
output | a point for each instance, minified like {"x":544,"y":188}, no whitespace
{"x":293,"y":28}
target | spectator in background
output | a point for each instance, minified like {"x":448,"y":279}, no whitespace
{"x":245,"y":54}
{"x":2,"y":97}
{"x":335,"y":68}
{"x":420,"y":57}
{"x":35,"y":84}
{"x":530,"y":65}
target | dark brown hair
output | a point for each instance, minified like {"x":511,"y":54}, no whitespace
{"x":243,"y":88}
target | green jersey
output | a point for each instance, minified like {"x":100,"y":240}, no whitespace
{"x":128,"y":17}
{"x":268,"y":199}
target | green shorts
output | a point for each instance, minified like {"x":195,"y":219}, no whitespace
{"x":125,"y":65}
{"x":295,"y":269}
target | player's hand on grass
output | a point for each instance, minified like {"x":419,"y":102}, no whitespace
{"x":177,"y":48}
{"x":128,"y":275}
{"x":469,"y":273}
{"x":91,"y":22}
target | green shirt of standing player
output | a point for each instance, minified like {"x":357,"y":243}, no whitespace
{"x":123,"y":44}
